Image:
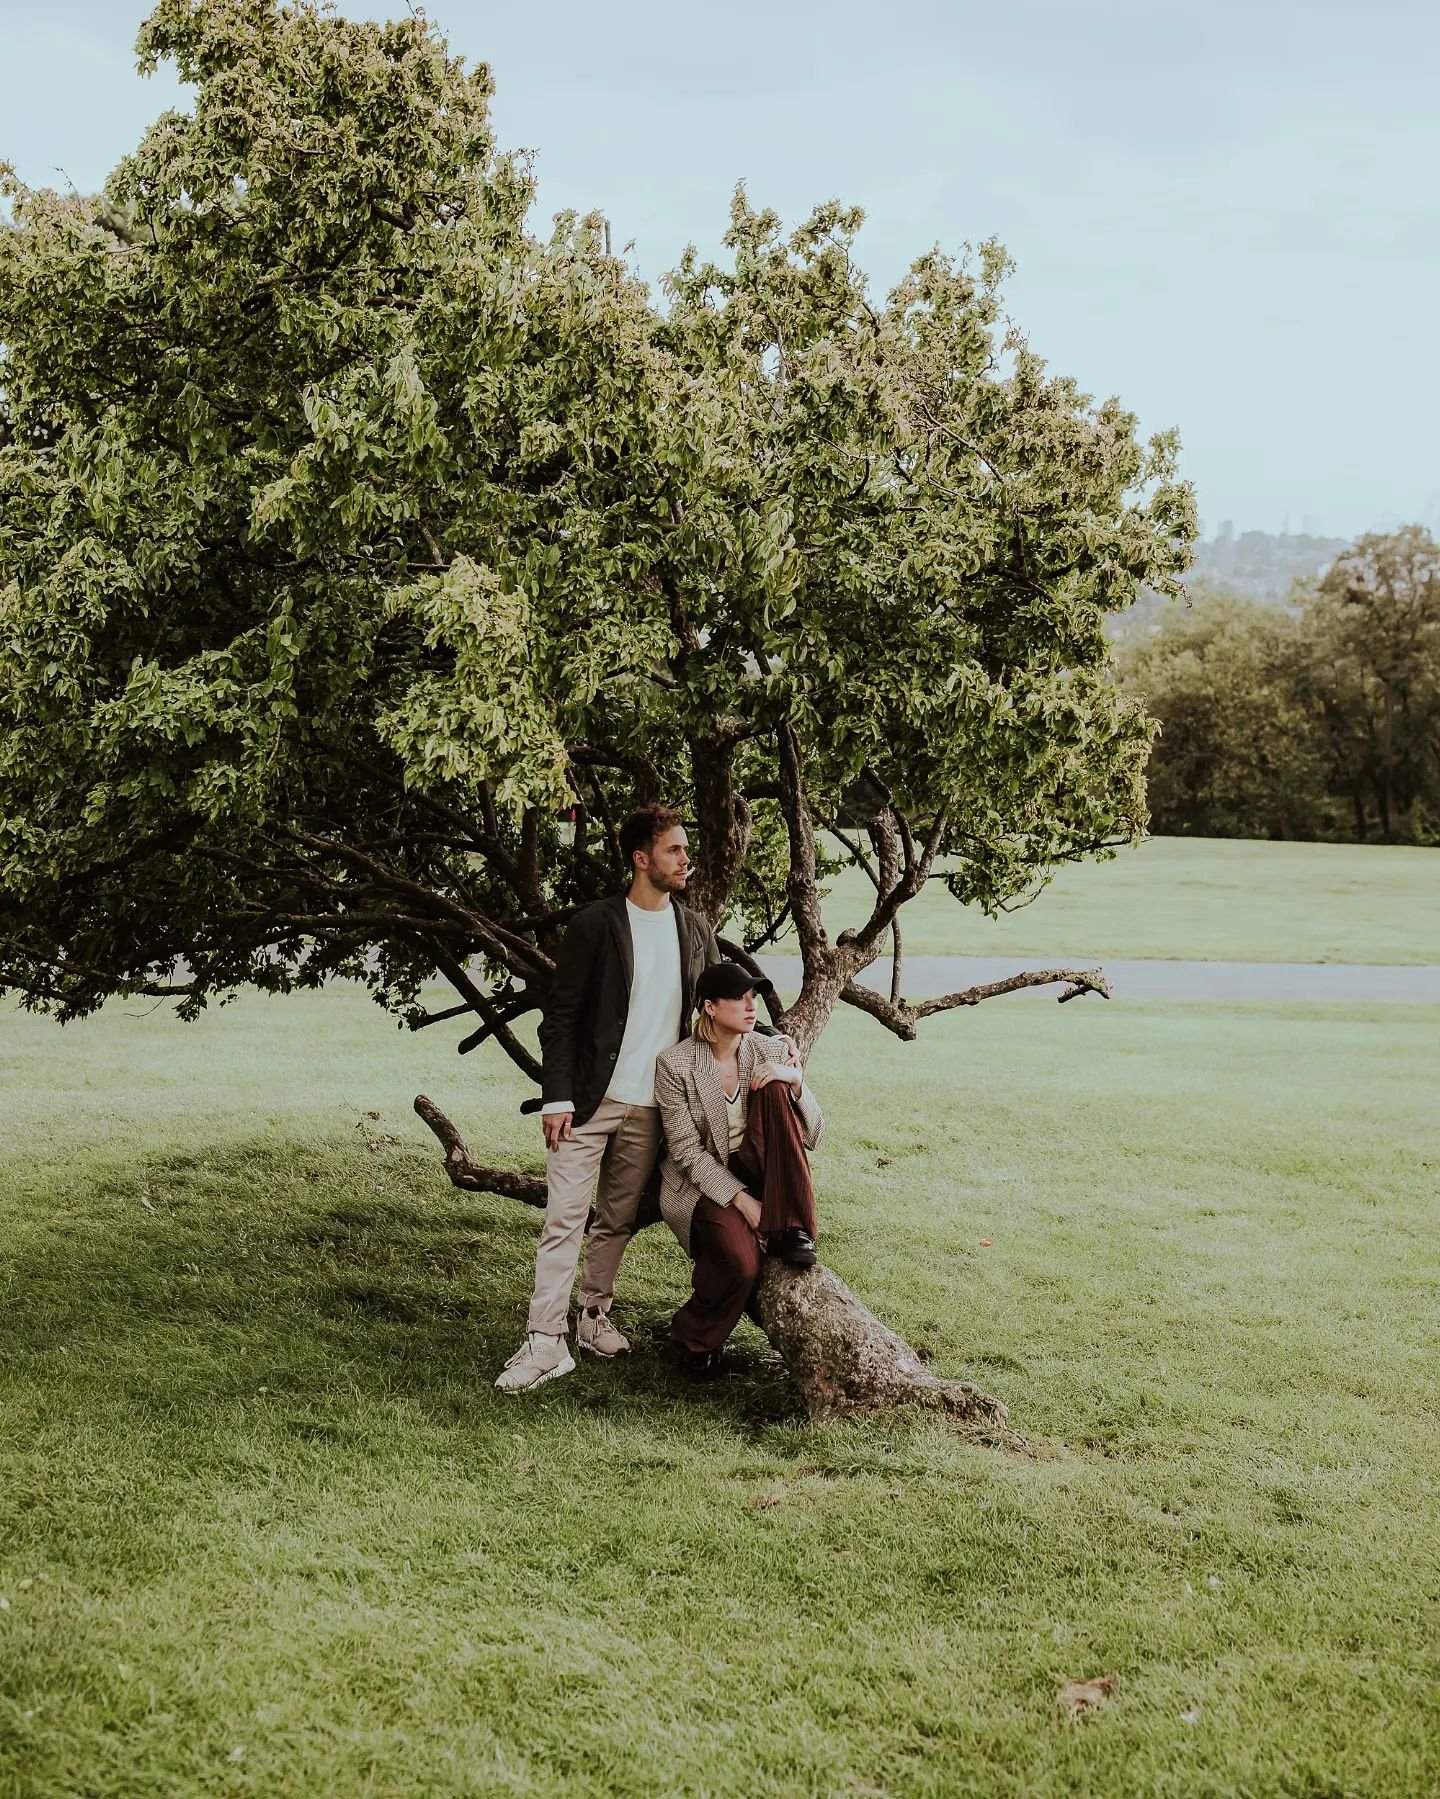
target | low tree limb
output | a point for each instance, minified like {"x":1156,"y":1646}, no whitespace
{"x":428,"y":1018}
{"x":495,"y":1024}
{"x":1082,"y":980}
{"x":901,"y":1016}
{"x":509,"y":1183}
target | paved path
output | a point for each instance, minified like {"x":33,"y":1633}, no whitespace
{"x":1342,"y":981}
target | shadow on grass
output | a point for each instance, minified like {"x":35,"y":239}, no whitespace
{"x":324,"y":1272}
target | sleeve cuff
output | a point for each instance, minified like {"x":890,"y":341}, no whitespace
{"x":557,"y":1105}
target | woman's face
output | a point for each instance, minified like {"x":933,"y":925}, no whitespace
{"x":733,"y":1014}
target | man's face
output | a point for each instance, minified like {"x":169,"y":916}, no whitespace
{"x":668,"y":861}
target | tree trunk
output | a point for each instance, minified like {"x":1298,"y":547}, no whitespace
{"x":842,"y":1359}
{"x":724,"y":820}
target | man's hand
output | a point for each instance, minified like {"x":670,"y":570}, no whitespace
{"x":767,"y":1073}
{"x":749,"y":1209}
{"x":556,"y":1126}
{"x":792,"y":1050}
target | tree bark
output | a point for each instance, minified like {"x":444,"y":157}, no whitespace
{"x":509,"y":1183}
{"x":842,"y":1359}
{"x":724,"y":820}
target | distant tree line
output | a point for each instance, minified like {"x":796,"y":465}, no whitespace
{"x":1317,"y":719}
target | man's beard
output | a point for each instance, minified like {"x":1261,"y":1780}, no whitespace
{"x":669,"y":883}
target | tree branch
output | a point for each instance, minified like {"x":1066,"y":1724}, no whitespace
{"x":865,"y":942}
{"x":1082,"y":980}
{"x":506,"y":1014}
{"x":771,"y":931}
{"x":509,"y":1183}
{"x":901,"y":1016}
{"x":800,"y":884}
{"x":495,"y":940}
{"x":858,"y":856}
{"x":495,"y":1025}
{"x":429,"y":1018}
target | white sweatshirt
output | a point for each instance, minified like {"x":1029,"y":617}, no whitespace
{"x":653,"y":1023}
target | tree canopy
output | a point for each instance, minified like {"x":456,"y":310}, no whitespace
{"x":352,"y":530}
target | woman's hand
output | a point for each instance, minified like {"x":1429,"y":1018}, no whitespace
{"x":749,"y":1209}
{"x":766,"y":1072}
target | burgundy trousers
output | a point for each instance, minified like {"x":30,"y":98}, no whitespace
{"x":772,"y":1163}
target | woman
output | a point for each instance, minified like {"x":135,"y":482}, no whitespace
{"x":735,"y":1182}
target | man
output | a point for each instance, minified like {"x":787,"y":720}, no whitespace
{"x":622,"y":993}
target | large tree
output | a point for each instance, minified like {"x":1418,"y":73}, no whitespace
{"x":1239,"y":752}
{"x":1320,"y":719}
{"x":1372,"y":623}
{"x":351,"y":532}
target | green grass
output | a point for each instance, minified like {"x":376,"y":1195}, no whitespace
{"x":265,"y":1527}
{"x":1195,"y":899}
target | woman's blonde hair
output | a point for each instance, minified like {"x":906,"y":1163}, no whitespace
{"x":705,"y":1026}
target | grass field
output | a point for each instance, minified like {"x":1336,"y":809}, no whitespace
{"x":265,"y":1527}
{"x":1195,"y":898}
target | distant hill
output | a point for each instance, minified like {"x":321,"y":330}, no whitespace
{"x":1261,"y":564}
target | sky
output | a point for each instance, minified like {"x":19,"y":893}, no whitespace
{"x":1225,"y":214}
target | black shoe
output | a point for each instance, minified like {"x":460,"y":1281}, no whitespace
{"x":698,"y":1364}
{"x":796,"y":1247}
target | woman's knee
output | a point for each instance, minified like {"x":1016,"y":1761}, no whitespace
{"x":738,"y":1254}
{"x":774,"y":1097}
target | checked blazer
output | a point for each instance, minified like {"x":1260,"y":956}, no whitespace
{"x":697,"y":1129}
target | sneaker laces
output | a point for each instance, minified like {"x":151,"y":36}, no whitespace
{"x":525,"y":1349}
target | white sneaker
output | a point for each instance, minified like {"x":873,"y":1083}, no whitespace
{"x":537,"y":1360}
{"x":596,"y":1333}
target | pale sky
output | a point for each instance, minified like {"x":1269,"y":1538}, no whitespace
{"x":1227,"y":214}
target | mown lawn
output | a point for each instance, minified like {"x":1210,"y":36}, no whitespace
{"x":265,"y":1528}
{"x":1195,"y":899}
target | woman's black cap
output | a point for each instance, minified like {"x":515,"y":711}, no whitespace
{"x":728,"y":980}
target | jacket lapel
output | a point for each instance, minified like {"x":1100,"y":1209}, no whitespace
{"x":712,"y":1098}
{"x":691,"y":946}
{"x":620,"y":930}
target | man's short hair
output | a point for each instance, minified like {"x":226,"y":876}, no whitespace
{"x":643,"y":826}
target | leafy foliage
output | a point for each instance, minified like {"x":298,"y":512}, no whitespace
{"x":350,"y":530}
{"x":1321,"y":720}
{"x":1373,"y":621}
{"x":1237,"y":754}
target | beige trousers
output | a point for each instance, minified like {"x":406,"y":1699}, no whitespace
{"x":620,"y":1144}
